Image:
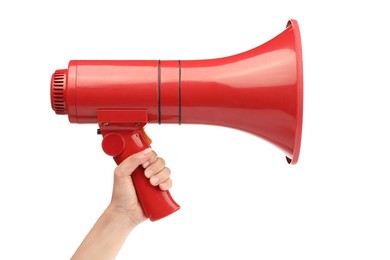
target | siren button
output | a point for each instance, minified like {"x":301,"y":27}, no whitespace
{"x":113,"y":144}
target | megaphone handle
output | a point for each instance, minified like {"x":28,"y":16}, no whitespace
{"x":155,"y":202}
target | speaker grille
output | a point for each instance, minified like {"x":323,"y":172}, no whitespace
{"x":58,"y":84}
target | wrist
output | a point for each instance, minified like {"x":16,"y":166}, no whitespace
{"x":130,"y":217}
{"x":121,"y":217}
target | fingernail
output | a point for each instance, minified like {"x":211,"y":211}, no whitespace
{"x":148,"y":173}
{"x":154,"y":180}
{"x":163,"y":186}
{"x":146,"y":151}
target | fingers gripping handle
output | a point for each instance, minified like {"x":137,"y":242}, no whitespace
{"x":155,"y":202}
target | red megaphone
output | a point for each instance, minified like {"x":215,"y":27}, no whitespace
{"x":259,"y":91}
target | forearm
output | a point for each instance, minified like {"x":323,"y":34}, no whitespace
{"x":106,"y":237}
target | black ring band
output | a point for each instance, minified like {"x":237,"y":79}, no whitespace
{"x":179,"y":92}
{"x":159,"y":91}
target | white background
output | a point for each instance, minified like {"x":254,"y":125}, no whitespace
{"x":239,"y":197}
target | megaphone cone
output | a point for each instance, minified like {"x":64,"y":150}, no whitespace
{"x":259,"y":91}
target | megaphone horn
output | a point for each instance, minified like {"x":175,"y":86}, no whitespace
{"x":259,"y":91}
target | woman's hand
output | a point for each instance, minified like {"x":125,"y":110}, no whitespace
{"x":124,"y":198}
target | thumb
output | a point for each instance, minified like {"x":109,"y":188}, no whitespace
{"x":127,"y":167}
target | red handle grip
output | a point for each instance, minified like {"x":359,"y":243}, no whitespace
{"x":155,"y":202}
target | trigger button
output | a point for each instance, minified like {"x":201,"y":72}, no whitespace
{"x":146,"y":137}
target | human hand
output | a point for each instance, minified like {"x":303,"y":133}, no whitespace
{"x":124,"y":212}
{"x":124,"y":198}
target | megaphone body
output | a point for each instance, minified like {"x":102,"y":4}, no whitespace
{"x":259,"y":91}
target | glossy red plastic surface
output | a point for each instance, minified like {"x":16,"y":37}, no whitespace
{"x":259,"y":91}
